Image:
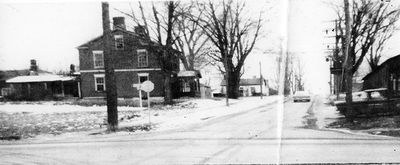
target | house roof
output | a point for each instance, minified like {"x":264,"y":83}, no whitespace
{"x":101,"y":36}
{"x":244,"y":82}
{"x":389,"y":61}
{"x":39,"y":78}
{"x":7,"y":74}
{"x":189,"y":73}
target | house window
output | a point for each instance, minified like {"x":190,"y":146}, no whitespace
{"x":99,"y":82}
{"x":98,"y":59}
{"x":143,"y":77}
{"x":253,"y":90}
{"x":119,"y":42}
{"x":142,"y":58}
{"x":185,"y":86}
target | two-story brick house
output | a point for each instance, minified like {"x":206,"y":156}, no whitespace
{"x":134,"y":58}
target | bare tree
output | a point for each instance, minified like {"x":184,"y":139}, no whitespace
{"x":232,"y":34}
{"x":299,"y":76}
{"x":373,"y":23}
{"x":376,"y":49}
{"x":289,"y":74}
{"x":167,"y":54}
{"x":191,"y":40}
{"x":294,"y":74}
{"x":160,"y":27}
{"x":368,"y":26}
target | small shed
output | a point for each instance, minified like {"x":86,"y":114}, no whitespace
{"x":386,"y":75}
{"x":38,"y":87}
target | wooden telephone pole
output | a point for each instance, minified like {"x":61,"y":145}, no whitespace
{"x":348,"y":60}
{"x":111,"y":88}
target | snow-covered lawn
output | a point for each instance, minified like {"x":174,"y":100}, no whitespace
{"x":51,"y":107}
{"x":30,"y":120}
{"x":204,"y":110}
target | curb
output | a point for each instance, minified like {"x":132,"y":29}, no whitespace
{"x":349,"y":132}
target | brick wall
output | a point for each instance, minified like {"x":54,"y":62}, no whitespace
{"x":124,"y":80}
{"x":122,"y":59}
{"x":124,"y":62}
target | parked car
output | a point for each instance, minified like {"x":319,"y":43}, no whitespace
{"x":301,"y":96}
{"x":376,"y":102}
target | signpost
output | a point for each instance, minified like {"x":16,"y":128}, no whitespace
{"x":146,"y":86}
{"x":138,"y":87}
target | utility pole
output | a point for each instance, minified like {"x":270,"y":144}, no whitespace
{"x":111,"y":88}
{"x":261,"y":82}
{"x":348,"y":60}
{"x":336,"y":84}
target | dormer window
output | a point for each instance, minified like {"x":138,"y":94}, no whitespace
{"x":98,"y":59}
{"x":119,"y":42}
{"x":142,"y":58}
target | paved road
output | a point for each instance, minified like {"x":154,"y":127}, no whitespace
{"x":244,"y":137}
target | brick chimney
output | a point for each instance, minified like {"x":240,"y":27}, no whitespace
{"x":119,"y":23}
{"x":33,"y":70}
{"x":71,"y":69}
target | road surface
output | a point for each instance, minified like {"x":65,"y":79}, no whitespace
{"x":244,"y":137}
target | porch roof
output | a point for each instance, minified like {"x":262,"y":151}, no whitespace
{"x":39,"y":78}
{"x":189,"y":73}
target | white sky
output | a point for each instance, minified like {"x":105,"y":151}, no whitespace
{"x":50,"y":32}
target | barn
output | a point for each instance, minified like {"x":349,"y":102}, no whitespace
{"x":387,"y":75}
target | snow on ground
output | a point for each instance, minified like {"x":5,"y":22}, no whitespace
{"x":325,"y":113}
{"x":205,"y":109}
{"x":51,"y":107}
{"x":30,"y":120}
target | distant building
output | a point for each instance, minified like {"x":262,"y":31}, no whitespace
{"x":212,"y":77}
{"x":250,"y":87}
{"x":7,"y":74}
{"x":387,"y":75}
{"x":34,"y":84}
{"x":135,"y":61}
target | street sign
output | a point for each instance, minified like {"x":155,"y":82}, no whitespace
{"x":137,"y":86}
{"x":147,"y":86}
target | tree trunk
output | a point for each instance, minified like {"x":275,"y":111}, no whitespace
{"x":167,"y":89}
{"x":233,"y":85}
